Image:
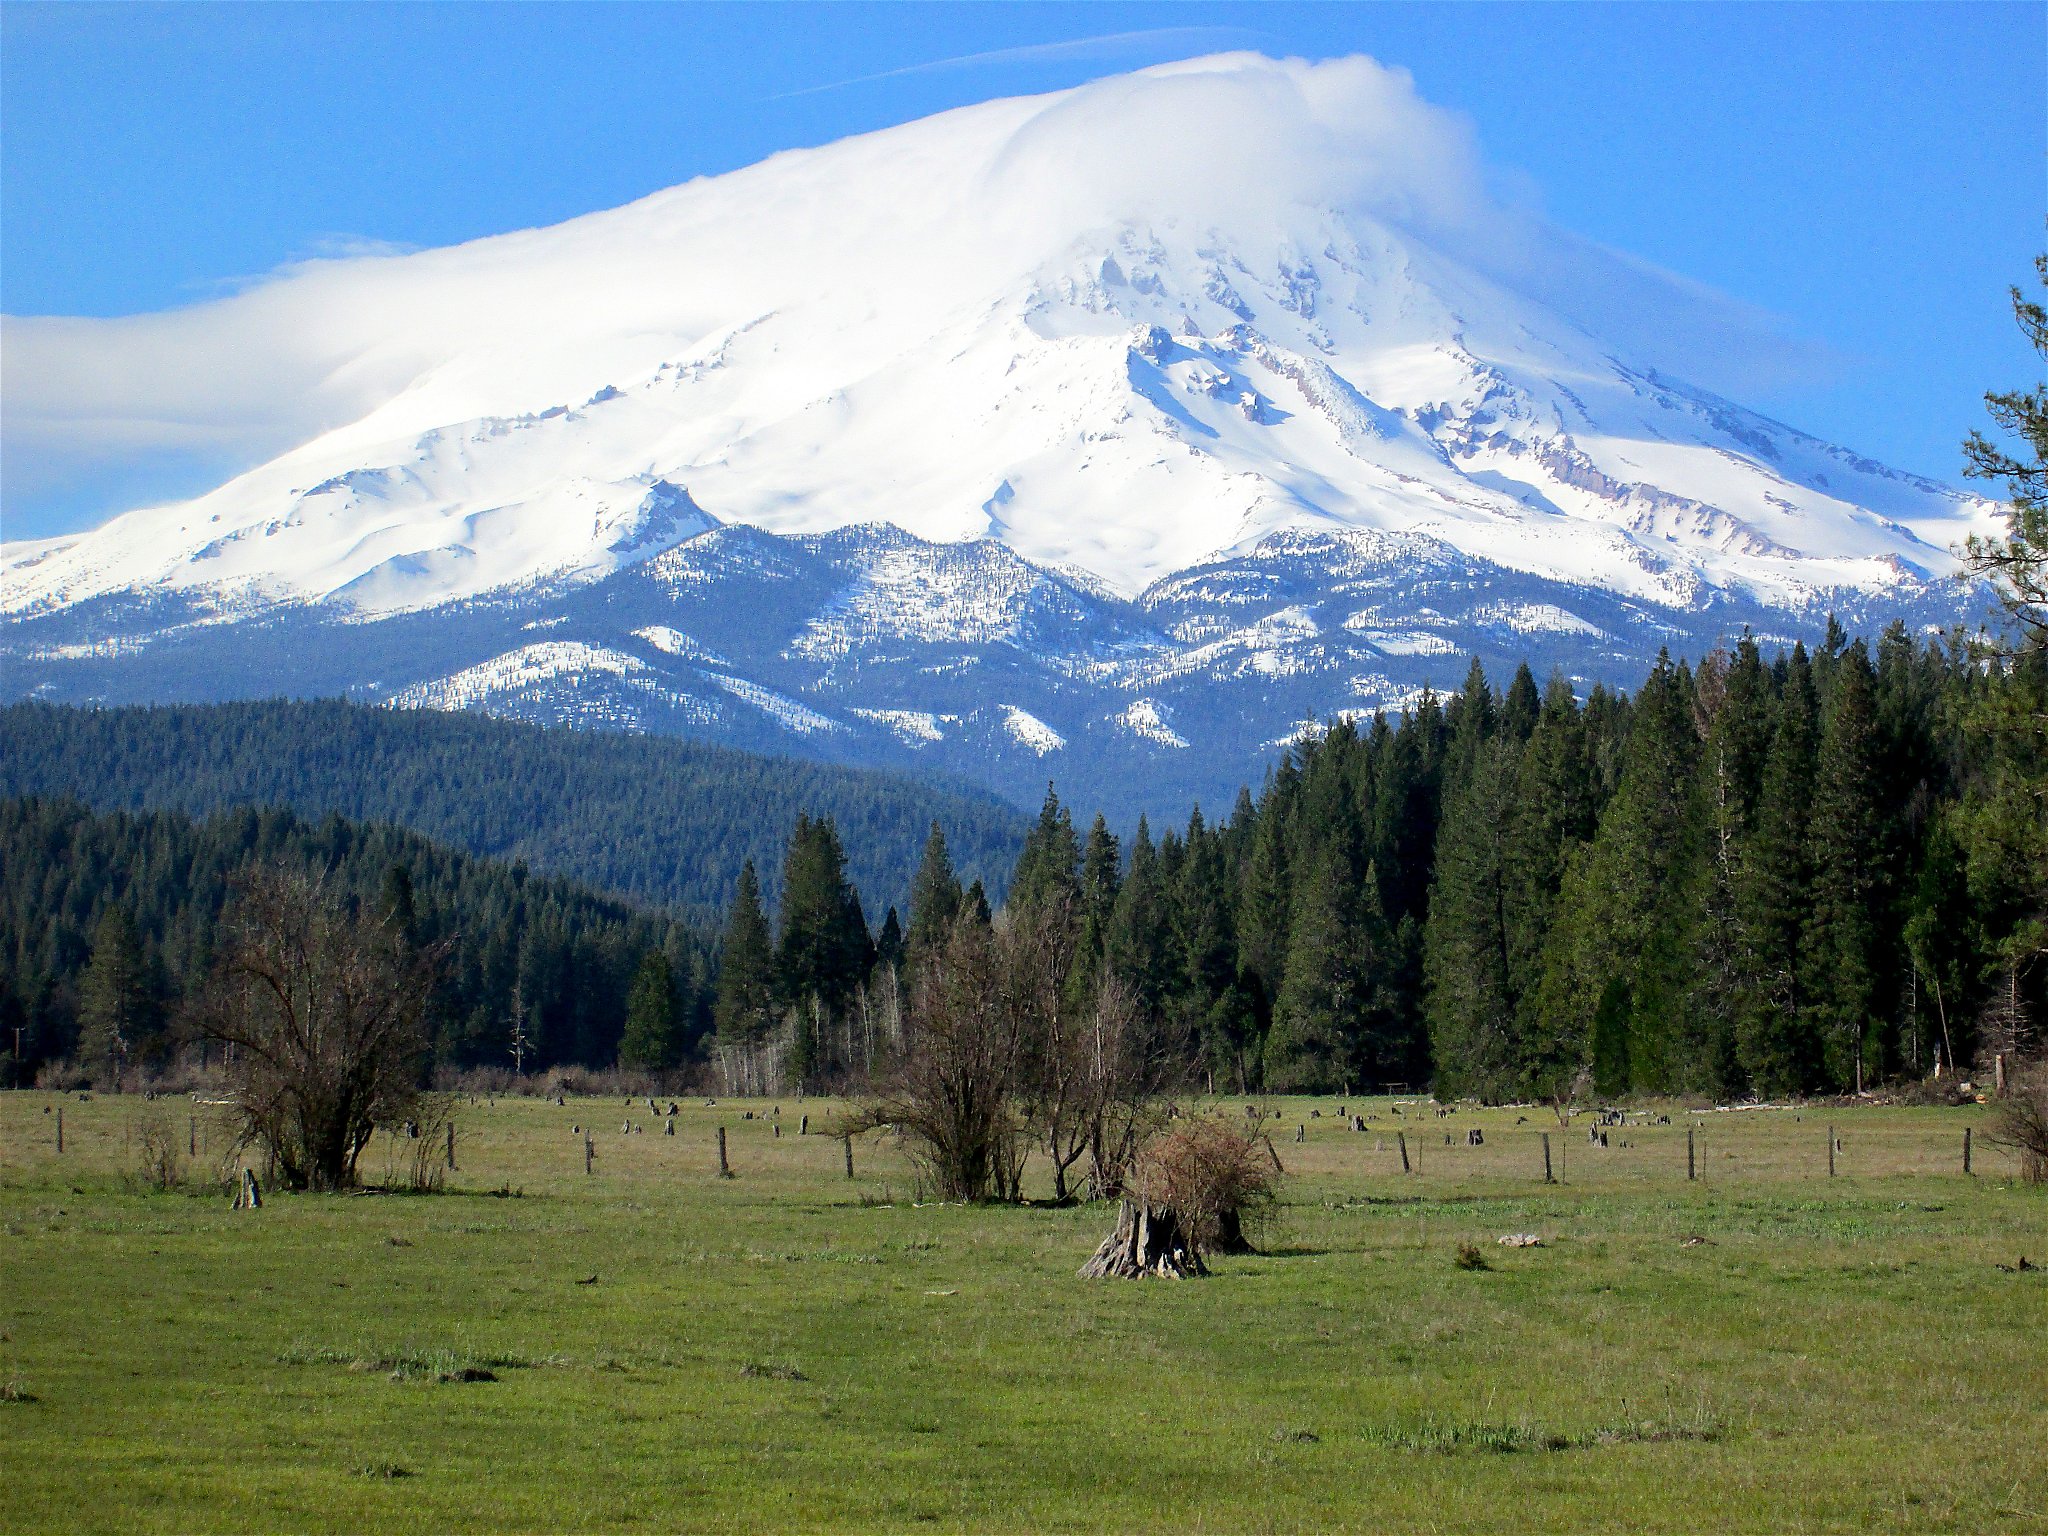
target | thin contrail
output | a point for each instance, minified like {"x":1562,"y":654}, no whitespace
{"x":1072,"y":48}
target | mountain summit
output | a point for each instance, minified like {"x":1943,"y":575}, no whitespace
{"x":1230,"y":370}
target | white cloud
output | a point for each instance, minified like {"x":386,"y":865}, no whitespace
{"x":1228,"y":140}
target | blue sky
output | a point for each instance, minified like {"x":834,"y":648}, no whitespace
{"x":1876,"y":175}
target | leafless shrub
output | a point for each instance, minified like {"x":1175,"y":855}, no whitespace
{"x":159,"y":1164}
{"x":318,"y":1010}
{"x":2019,"y":1124}
{"x":420,"y":1143}
{"x":950,"y":1095}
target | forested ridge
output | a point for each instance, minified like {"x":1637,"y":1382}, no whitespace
{"x":1760,"y":874}
{"x":665,"y":821}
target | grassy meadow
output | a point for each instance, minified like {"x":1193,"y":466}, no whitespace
{"x":649,"y":1346}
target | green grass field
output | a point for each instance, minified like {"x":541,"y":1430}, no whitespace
{"x":1763,"y":1349}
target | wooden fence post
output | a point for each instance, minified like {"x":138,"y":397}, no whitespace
{"x":60,"y":1130}
{"x":192,"y":1137}
{"x":803,"y":1125}
{"x":1966,"y":1151}
{"x":1831,"y":1151}
{"x":451,"y":1145}
{"x":1546,"y":1158}
{"x":589,"y":1152}
{"x":1692,"y":1165}
{"x":847,"y":1142}
{"x":724,"y":1168}
{"x":1402,"y":1138}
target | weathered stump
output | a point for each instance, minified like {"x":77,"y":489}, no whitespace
{"x":1149,"y":1240}
{"x":1229,"y":1236}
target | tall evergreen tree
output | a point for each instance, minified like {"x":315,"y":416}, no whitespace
{"x":822,"y":953}
{"x":1617,"y":957}
{"x":745,"y":1010}
{"x":1774,"y":1045}
{"x":113,"y":997}
{"x":1840,"y":940}
{"x":652,"y":1039}
{"x":935,"y":898}
{"x":889,"y":942}
{"x":1471,"y":1000}
{"x":1048,"y":868}
{"x":1136,"y":951}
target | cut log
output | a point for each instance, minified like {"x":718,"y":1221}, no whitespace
{"x":1148,"y":1241}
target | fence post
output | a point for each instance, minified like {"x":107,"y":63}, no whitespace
{"x":847,"y":1142}
{"x":1691,"y":1159}
{"x":192,"y":1137}
{"x":451,"y":1144}
{"x":803,"y":1125}
{"x":60,"y":1130}
{"x":1831,"y":1151}
{"x":1966,"y":1151}
{"x":1546,"y":1158}
{"x":724,"y":1168}
{"x":589,"y":1152}
{"x":1402,"y":1138}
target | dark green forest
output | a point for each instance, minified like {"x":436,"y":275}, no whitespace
{"x":1761,"y":874}
{"x":108,"y":922}
{"x":663,"y":821}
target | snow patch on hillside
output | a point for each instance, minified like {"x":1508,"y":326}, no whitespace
{"x":1147,"y":718}
{"x":1030,"y":731}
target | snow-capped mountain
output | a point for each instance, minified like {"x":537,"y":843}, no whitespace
{"x":1135,"y":422}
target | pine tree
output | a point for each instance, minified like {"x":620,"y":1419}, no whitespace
{"x":889,"y":943}
{"x":821,"y":951}
{"x":1203,"y":969}
{"x":1262,"y":921}
{"x":1842,"y":932}
{"x":1332,"y":1025}
{"x":1773,"y":1044}
{"x":745,"y":1008}
{"x":2017,"y":565}
{"x":1101,"y":878}
{"x":935,"y":898}
{"x":652,"y":1039}
{"x":1616,"y":946}
{"x":1734,"y":716}
{"x":1136,"y":949}
{"x":1520,"y":705}
{"x":1550,"y":818}
{"x":1048,"y":868}
{"x":113,"y":997}
{"x":1471,"y":1002}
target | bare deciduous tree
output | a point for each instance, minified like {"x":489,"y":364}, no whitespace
{"x":319,"y":1009}
{"x":2020,"y":1123}
{"x":951,"y":1092}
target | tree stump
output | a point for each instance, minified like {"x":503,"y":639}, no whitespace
{"x":1148,"y":1240}
{"x":1230,"y":1236}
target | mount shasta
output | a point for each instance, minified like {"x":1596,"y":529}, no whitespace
{"x":1107,"y":435}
